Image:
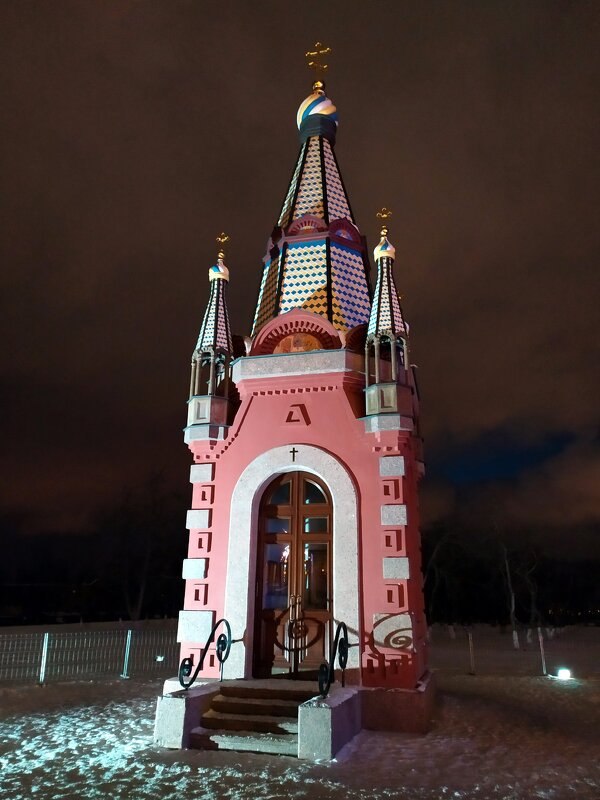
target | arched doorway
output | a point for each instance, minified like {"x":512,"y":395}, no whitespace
{"x":294,"y":593}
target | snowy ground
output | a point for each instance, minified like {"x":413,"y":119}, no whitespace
{"x":493,"y":737}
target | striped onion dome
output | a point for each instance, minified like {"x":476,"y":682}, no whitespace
{"x":384,"y":248}
{"x":218,"y":270}
{"x":316,"y":103}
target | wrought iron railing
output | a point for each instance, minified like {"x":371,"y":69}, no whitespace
{"x":340,"y":649}
{"x":223,"y":646}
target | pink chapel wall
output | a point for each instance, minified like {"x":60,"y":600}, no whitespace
{"x":310,"y":400}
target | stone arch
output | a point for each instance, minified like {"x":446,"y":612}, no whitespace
{"x":241,"y":557}
{"x":295,"y":321}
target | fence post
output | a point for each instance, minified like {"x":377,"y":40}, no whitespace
{"x":126,"y":657}
{"x":44,"y":657}
{"x":471,"y":652}
{"x":542,"y":653}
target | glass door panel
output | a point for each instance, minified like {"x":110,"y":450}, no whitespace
{"x":276,"y":575}
{"x":313,"y":493}
{"x":316,"y":576}
{"x":316,"y":525}
{"x":277,"y":525}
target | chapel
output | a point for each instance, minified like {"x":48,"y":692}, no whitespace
{"x":307,"y":456}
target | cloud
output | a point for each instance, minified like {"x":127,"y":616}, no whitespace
{"x":565,"y":491}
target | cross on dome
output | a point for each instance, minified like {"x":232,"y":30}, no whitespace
{"x":315,"y":61}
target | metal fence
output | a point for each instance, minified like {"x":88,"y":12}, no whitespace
{"x":73,"y":655}
{"x":153,"y":650}
{"x":489,"y":650}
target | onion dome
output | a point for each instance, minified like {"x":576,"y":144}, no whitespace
{"x":384,"y":248}
{"x":219,"y":270}
{"x":317,"y":116}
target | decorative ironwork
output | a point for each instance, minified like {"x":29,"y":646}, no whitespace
{"x":339,"y":649}
{"x":224,"y":642}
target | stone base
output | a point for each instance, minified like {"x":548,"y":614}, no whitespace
{"x":326,"y":725}
{"x":406,"y":710}
{"x":178,"y":713}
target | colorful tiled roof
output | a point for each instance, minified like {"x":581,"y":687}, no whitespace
{"x":386,"y":313}
{"x":215,"y":331}
{"x":306,"y":265}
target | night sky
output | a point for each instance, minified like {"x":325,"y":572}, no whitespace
{"x":133,"y":132}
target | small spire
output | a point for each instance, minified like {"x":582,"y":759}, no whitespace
{"x":386,"y":315}
{"x":315,"y":60}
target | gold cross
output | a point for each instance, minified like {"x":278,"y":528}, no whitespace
{"x":222,"y":238}
{"x":314,"y":60}
{"x":383,"y":215}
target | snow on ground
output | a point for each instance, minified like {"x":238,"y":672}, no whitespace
{"x":493,"y":737}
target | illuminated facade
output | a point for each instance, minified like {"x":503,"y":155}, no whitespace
{"x":307,"y":457}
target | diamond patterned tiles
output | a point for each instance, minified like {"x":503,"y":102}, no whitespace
{"x":310,"y":196}
{"x":386,"y":314}
{"x":350,"y":292}
{"x":265,"y":308}
{"x":337,"y":202}
{"x":284,"y":217}
{"x":305,"y":278}
{"x":215,"y":330}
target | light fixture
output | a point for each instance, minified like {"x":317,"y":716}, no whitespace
{"x":563,"y":674}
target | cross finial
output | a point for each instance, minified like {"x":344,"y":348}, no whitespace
{"x":222,"y":238}
{"x":384,"y":214}
{"x":315,"y":60}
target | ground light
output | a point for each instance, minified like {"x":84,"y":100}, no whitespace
{"x":563,"y":674}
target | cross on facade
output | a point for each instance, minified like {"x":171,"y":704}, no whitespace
{"x":293,"y":452}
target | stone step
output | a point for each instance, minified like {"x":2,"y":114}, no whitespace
{"x":271,"y":689}
{"x":274,"y":744}
{"x":217,"y":720}
{"x":271,"y":706}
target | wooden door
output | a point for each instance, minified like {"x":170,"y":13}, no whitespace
{"x":293,"y":585}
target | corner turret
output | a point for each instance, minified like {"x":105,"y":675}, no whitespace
{"x":208,"y":404}
{"x":386,"y":348}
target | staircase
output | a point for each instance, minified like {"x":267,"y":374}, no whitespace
{"x":256,"y":716}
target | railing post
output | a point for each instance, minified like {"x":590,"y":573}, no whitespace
{"x":471,"y":652}
{"x":327,"y":670}
{"x":124,"y":674}
{"x":44,"y":657}
{"x":542,"y":653}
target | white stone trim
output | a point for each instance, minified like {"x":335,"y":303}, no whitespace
{"x":393,"y":514}
{"x":396,"y":568}
{"x":391,"y":466}
{"x":201,"y":473}
{"x":197,"y":518}
{"x":287,"y":364}
{"x":393,"y":630}
{"x":241,"y":566}
{"x":194,"y":569}
{"x":194,"y":626}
